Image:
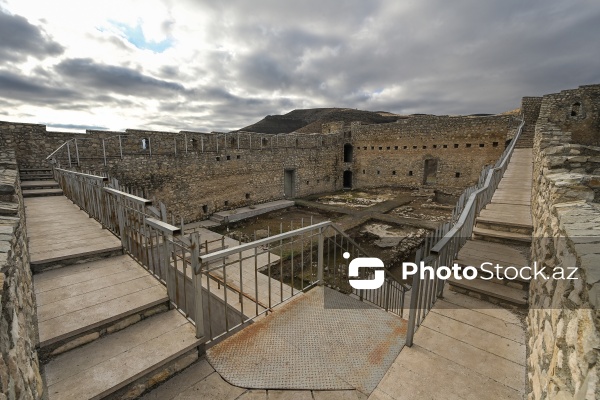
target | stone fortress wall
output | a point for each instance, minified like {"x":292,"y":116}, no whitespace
{"x":196,"y":174}
{"x":439,"y":150}
{"x":564,"y":318}
{"x":19,"y":365}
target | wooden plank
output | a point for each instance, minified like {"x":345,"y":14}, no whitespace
{"x":74,"y":323}
{"x":110,"y":375}
{"x":75,"y":303}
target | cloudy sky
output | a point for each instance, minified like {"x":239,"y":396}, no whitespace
{"x":220,"y":65}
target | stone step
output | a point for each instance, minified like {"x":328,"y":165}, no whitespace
{"x":42,"y":192}
{"x":500,"y":236}
{"x":80,"y":303}
{"x":492,"y":292}
{"x":126,"y":363}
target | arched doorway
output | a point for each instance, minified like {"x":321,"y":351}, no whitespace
{"x":347,"y":179}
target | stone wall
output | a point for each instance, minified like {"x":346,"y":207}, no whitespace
{"x":564,"y":319}
{"x":395,"y":154}
{"x":19,"y":366}
{"x":530,"y":109}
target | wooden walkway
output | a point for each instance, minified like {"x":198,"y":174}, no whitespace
{"x":465,"y":349}
{"x":468,"y":348}
{"x":59,"y":231}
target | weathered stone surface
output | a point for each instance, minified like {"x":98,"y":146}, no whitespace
{"x":19,"y":366}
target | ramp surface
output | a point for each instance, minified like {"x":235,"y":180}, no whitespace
{"x":308,"y":344}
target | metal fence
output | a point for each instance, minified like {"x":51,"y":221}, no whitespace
{"x":221,"y":284}
{"x":441,"y":247}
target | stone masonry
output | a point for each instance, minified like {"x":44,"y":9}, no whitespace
{"x":19,"y":366}
{"x":563,"y":320}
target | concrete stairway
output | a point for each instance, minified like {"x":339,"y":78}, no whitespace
{"x":502,"y":236}
{"x":37,"y":182}
{"x":104,"y":322}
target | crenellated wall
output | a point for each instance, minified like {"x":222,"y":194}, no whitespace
{"x":564,"y":319}
{"x":19,"y":366}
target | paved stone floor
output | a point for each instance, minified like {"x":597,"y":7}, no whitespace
{"x":322,"y":340}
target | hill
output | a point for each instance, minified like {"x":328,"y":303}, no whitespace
{"x":310,"y":120}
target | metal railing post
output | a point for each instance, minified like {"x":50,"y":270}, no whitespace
{"x":120,"y":147}
{"x":320,"y":258}
{"x":76,"y":151}
{"x":412,"y":315}
{"x":69,"y":154}
{"x":197,"y":281}
{"x":104,"y":151}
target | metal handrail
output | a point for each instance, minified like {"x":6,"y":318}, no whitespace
{"x":446,"y":247}
{"x":59,"y":147}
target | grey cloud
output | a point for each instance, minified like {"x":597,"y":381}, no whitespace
{"x":31,"y":90}
{"x":122,"y":80}
{"x":20,"y":39}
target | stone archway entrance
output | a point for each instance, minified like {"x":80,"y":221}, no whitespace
{"x":347,"y":179}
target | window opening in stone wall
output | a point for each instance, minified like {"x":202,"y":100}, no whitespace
{"x":430,"y":171}
{"x":481,"y":145}
{"x":404,"y":147}
{"x":297,"y":142}
{"x":395,"y":147}
{"x":468,"y":145}
{"x":145,"y":143}
{"x":424,"y":147}
{"x":457,"y":175}
{"x":307,"y":182}
{"x":238,"y":156}
{"x":576,"y":109}
{"x":347,"y":152}
{"x":365,"y":147}
{"x":435,"y":146}
{"x":393,"y":172}
{"x":445,"y":146}
{"x":410,"y":173}
{"x":226,"y":203}
{"x":414,"y":147}
{"x":378,"y":172}
{"x":456,"y":145}
{"x":228,"y":158}
{"x":232,"y":142}
{"x":218,"y":158}
{"x":364,"y":171}
{"x":265,"y":141}
{"x":205,"y":209}
{"x":387,"y":148}
{"x":380,"y":147}
{"x":195,"y":144}
{"x":247,"y":196}
{"x":495,"y":144}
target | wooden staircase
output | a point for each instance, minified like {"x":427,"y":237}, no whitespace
{"x":37,"y":182}
{"x":105,"y":325}
{"x":502,"y":236}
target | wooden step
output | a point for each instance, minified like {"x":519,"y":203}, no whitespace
{"x":35,"y":170}
{"x":88,"y":300}
{"x":498,"y":224}
{"x":42,"y":192}
{"x":36,"y":177}
{"x":500,"y":236}
{"x":129,"y":360}
{"x":492,"y":292}
{"x":39,"y":184}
